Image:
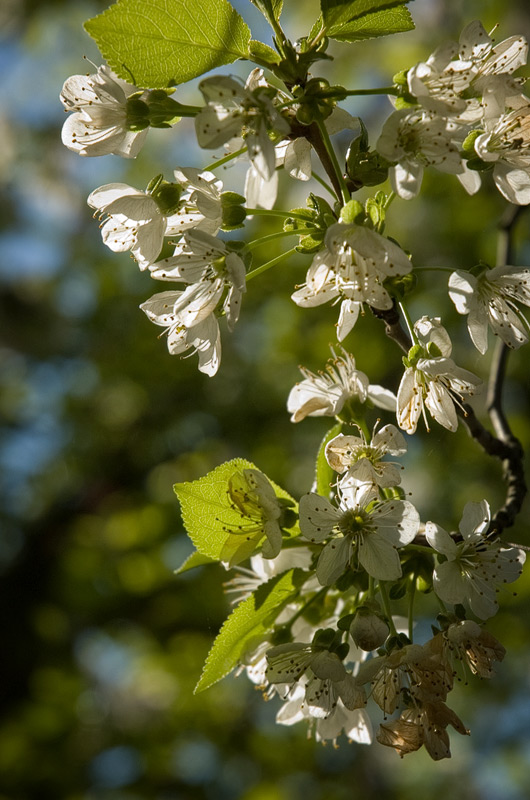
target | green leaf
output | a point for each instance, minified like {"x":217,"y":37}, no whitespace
{"x":271,"y":9}
{"x":249,"y":623}
{"x":209,"y":514}
{"x":336,"y":13}
{"x":158,"y":43}
{"x":381,"y":23}
{"x":196,"y":559}
{"x":351,"y":20}
{"x":323,"y":473}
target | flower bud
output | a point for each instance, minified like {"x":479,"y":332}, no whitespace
{"x":368,"y":630}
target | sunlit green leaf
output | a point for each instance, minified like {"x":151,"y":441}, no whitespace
{"x":350,"y":20}
{"x":165,"y":42}
{"x":209,"y":514}
{"x":196,"y":559}
{"x":248,"y":624}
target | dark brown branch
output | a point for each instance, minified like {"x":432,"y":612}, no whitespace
{"x":393,"y":327}
{"x":504,"y":445}
{"x":511,"y":454}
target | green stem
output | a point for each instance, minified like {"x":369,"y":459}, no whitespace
{"x":264,"y":212}
{"x":360,"y":92}
{"x":433,"y":269}
{"x":323,"y":183}
{"x":269,"y":238}
{"x":408,"y":320}
{"x":333,"y":157}
{"x":386,"y":606}
{"x":412,"y":593}
{"x":269,"y":264}
{"x":225,"y":159}
{"x":301,"y":610}
{"x":389,"y":200}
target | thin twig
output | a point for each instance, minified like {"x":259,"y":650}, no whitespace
{"x":393,"y":327}
{"x":504,"y":445}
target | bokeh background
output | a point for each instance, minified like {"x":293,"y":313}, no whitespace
{"x":102,"y":643}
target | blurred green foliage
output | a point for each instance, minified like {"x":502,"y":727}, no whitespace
{"x":102,"y":643}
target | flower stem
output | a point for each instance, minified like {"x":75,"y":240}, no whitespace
{"x":271,"y":263}
{"x":275,"y":213}
{"x":412,"y":593}
{"x":386,"y":605}
{"x":333,"y":158}
{"x":410,"y":326}
{"x":226,"y":159}
{"x":323,"y":183}
{"x":301,"y":610}
{"x":269,"y":238}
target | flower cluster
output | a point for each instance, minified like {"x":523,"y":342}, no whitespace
{"x":318,"y":624}
{"x":465,"y":114}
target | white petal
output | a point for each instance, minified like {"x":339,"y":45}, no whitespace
{"x":317,"y":517}
{"x":333,"y":560}
{"x":440,"y":540}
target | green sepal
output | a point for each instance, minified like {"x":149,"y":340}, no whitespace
{"x":171,"y":42}
{"x":478,"y":165}
{"x":233,"y":212}
{"x":406,"y":100}
{"x":260,"y":52}
{"x":249,"y":624}
{"x":352,"y":213}
{"x":323,"y":473}
{"x":468,"y":145}
{"x":400,"y":285}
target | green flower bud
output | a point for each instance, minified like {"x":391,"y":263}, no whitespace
{"x":352,"y":212}
{"x":368,"y":629}
{"x":167,"y":196}
{"x":469,"y":143}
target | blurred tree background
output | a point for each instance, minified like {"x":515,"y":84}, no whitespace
{"x":102,"y":643}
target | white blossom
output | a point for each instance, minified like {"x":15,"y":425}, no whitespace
{"x":352,"y":268}
{"x":327,"y":679}
{"x":415,"y":140}
{"x":505,"y":143}
{"x":423,"y":724}
{"x":490,"y":299}
{"x":360,"y":530}
{"x":200,"y":205}
{"x":474,"y":568}
{"x":98,"y":125}
{"x":234,"y":110}
{"x":424,"y":674}
{"x":325,"y":393}
{"x":208,"y":266}
{"x":432,"y":380}
{"x":361,"y":461}
{"x":447,"y":81}
{"x":203,"y":338}
{"x":133,"y":221}
{"x":467,"y":641}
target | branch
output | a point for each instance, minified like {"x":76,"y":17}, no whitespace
{"x":393,"y":328}
{"x":504,"y":445}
